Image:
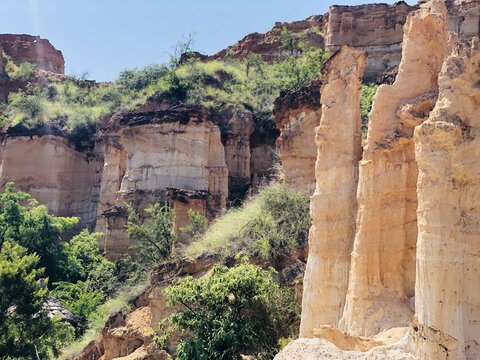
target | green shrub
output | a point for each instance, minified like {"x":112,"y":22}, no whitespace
{"x":154,"y":237}
{"x":198,"y":225}
{"x":25,"y":71}
{"x":139,"y":79}
{"x":229,"y":312}
{"x":26,"y":330}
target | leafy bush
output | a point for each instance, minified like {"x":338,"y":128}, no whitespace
{"x":24,"y":222}
{"x":139,"y":79}
{"x":25,"y":71}
{"x":229,"y":312}
{"x":198,"y":225}
{"x":79,"y":299}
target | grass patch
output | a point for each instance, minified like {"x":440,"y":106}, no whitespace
{"x":274,"y":223}
{"x":222,"y":234}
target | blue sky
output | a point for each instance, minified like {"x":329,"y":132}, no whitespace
{"x":103,"y":37}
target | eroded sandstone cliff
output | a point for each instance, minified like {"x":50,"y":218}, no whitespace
{"x":382,"y":277}
{"x":447,"y":149}
{"x":375,"y":28}
{"x":53,"y":172}
{"x":297,"y":114}
{"x":333,"y":206}
{"x":33,"y":49}
{"x":171,"y":155}
{"x":414,"y":168}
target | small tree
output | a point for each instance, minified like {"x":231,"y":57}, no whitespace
{"x":198,"y":225}
{"x":230,"y":312}
{"x":154,"y":237}
{"x":26,"y":331}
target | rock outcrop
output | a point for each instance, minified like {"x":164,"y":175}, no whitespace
{"x":333,"y":206}
{"x":375,"y":28}
{"x":54,"y":172}
{"x":417,"y":163}
{"x":172,"y":155}
{"x":33,"y":49}
{"x":382,"y":278}
{"x":297,"y":114}
{"x":268,"y":45}
{"x":447,"y":149}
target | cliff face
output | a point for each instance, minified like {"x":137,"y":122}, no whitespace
{"x":268,"y":45}
{"x":375,"y":29}
{"x":297,"y":114}
{"x":33,"y":49}
{"x":383,"y":260}
{"x":186,"y":168}
{"x":54,"y":173}
{"x":447,"y":149}
{"x":333,"y":205}
{"x":412,"y":286}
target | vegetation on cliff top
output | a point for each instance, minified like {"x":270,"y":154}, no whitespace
{"x":75,"y":105}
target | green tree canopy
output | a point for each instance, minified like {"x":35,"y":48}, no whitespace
{"x":155,"y":238}
{"x":26,"y":331}
{"x":24,"y":222}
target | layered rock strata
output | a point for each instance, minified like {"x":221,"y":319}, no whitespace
{"x":54,"y":172}
{"x":333,"y":206}
{"x":375,"y":28}
{"x":173,"y":155}
{"x":33,"y":49}
{"x":447,"y":149}
{"x":382,"y":278}
{"x":297,"y":114}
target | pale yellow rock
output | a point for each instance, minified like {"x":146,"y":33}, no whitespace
{"x":333,"y":205}
{"x":175,"y":162}
{"x":54,"y":173}
{"x":382,"y":276}
{"x":321,"y":349}
{"x":447,"y":148}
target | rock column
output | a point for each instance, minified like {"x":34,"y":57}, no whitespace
{"x":447,"y":147}
{"x":333,"y":205}
{"x":382,"y":279}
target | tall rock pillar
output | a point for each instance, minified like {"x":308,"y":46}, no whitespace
{"x":447,"y":147}
{"x":333,"y":205}
{"x":382,"y":281}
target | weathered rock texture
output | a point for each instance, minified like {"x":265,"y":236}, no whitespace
{"x":297,"y":114}
{"x":172,"y":155}
{"x":382,"y":277}
{"x":375,"y":28}
{"x":53,"y":172}
{"x":238,"y":127}
{"x":463,"y":16}
{"x":33,"y":49}
{"x":448,"y":265}
{"x":413,"y":167}
{"x":333,"y":206}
